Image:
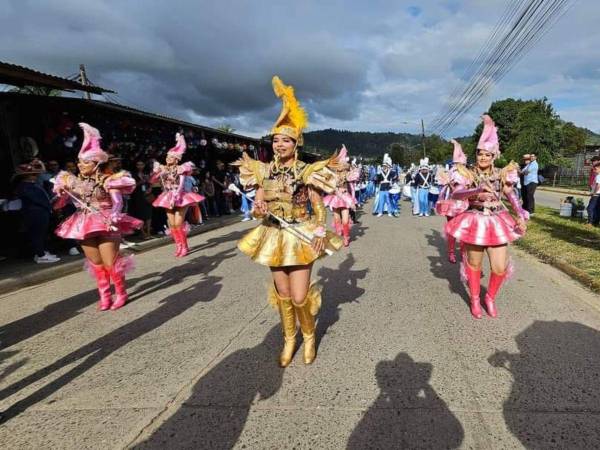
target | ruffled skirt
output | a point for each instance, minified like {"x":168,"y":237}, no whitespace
{"x":167,"y":200}
{"x":345,"y":200}
{"x":82,"y":225}
{"x":475,"y":227}
{"x":272,"y":246}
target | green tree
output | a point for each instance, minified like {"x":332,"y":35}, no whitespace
{"x":37,"y":90}
{"x":573,"y":139}
{"x":226,"y":128}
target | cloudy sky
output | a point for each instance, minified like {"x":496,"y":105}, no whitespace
{"x":377,"y":65}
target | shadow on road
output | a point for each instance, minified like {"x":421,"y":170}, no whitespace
{"x":216,"y":412}
{"x":408,"y":413}
{"x":213,"y":242}
{"x":444,"y":270}
{"x":95,"y":352}
{"x":555,"y":396}
{"x":340,"y":285}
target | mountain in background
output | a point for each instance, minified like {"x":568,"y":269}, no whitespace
{"x":359,"y":143}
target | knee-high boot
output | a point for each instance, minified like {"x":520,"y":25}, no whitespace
{"x":183,"y":243}
{"x":102,"y":277}
{"x":474,"y":282}
{"x":175,"y":234}
{"x":451,"y":246}
{"x":306,"y":313}
{"x":496,"y":280}
{"x":117,"y":273}
{"x":288,"y":325}
{"x":346,"y":234}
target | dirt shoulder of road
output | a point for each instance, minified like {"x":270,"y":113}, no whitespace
{"x":565,"y":243}
{"x":564,"y":190}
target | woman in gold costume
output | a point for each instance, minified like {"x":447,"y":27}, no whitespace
{"x":289,"y":239}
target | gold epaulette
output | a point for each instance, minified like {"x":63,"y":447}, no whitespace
{"x":320,"y":176}
{"x":252,"y":172}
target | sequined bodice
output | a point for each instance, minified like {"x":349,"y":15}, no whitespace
{"x":285,"y":194}
{"x":91,"y":192}
{"x":169,"y":177}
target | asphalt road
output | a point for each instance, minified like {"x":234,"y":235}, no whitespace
{"x":191,"y":361}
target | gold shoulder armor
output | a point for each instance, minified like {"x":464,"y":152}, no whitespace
{"x":320,"y":176}
{"x":252,"y":172}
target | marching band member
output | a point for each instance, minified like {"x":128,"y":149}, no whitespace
{"x":486,"y":226}
{"x":98,"y":223}
{"x":289,"y":240}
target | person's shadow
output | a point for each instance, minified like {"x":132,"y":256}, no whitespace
{"x":214,"y":416}
{"x":340,"y":285}
{"x":556,"y":390}
{"x":91,"y":354}
{"x":408,"y":413}
{"x":444,"y":270}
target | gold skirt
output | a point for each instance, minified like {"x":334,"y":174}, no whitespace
{"x":272,"y":246}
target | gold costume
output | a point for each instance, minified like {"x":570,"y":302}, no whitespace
{"x":286,"y":192}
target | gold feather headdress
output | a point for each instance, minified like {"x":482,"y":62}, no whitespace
{"x":293,"y":118}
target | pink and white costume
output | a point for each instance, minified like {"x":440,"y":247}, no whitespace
{"x":172,"y":178}
{"x":99,"y":201}
{"x":343,"y":197}
{"x":487,"y":222}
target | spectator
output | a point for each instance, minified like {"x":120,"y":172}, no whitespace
{"x":141,"y":199}
{"x":71,"y":167}
{"x":208,"y":190}
{"x":593,"y":208}
{"x":530,"y":180}
{"x":52,"y":169}
{"x":36,"y":210}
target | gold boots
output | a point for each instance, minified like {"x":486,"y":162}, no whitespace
{"x":288,"y":325}
{"x":306,"y":313}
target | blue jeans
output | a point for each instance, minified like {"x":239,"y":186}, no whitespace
{"x":593,"y":210}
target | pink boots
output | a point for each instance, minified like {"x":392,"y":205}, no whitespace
{"x":180,"y":238}
{"x":494,"y":284}
{"x":103,"y":282}
{"x":346,"y":234}
{"x":117,"y":273}
{"x":451,"y":245}
{"x":474,"y":282}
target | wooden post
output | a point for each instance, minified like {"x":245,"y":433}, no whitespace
{"x":83,"y":80}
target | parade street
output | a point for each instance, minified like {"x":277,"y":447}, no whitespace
{"x":191,"y":361}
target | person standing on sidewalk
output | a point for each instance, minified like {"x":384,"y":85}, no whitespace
{"x":593,"y":208}
{"x":98,"y":222}
{"x":36,"y":209}
{"x":290,"y":239}
{"x":531,"y":180}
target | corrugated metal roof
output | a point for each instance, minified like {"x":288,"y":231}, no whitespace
{"x":16,"y":75}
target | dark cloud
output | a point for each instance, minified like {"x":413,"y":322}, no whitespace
{"x":360,"y":65}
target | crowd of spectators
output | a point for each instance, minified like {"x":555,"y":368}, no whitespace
{"x":133,"y":146}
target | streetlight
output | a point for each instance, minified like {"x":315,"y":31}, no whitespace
{"x":422,"y":135}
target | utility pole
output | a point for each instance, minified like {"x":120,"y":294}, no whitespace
{"x":423,"y":137}
{"x":83,"y":80}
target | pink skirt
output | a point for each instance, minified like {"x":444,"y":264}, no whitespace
{"x":82,"y":225}
{"x":345,"y":200}
{"x":167,"y":200}
{"x":474,"y":227}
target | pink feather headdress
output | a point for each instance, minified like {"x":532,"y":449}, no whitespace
{"x":179,"y":148}
{"x":458,"y":156}
{"x":90,"y":148}
{"x":489,"y":137}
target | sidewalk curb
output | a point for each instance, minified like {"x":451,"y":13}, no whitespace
{"x":572,"y":271}
{"x":563,"y":191}
{"x":53,"y":272}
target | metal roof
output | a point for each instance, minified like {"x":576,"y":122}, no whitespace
{"x":23,"y":76}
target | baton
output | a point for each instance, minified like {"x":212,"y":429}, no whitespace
{"x":284,"y":224}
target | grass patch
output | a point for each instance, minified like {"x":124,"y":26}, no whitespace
{"x":565,"y":243}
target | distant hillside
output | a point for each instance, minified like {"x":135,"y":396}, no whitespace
{"x":592,"y":138}
{"x":359,"y":143}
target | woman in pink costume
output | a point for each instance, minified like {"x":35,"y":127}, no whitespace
{"x":173,"y":198}
{"x":446,"y":205}
{"x":487,"y":226}
{"x":343,"y":199}
{"x":98,"y":222}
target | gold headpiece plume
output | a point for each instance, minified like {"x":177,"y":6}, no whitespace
{"x":293,"y":119}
